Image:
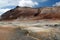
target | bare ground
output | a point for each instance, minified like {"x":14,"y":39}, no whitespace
{"x":31,"y":30}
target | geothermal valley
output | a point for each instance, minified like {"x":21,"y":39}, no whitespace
{"x":30,"y":24}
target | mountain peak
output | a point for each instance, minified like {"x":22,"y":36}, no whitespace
{"x":17,"y":6}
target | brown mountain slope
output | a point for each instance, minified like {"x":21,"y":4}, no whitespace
{"x":32,"y":13}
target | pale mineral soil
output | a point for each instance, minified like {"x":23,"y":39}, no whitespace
{"x":30,"y":30}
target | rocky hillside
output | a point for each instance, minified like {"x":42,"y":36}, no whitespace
{"x":32,"y":13}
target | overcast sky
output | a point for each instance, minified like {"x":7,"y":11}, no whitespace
{"x":6,"y":5}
